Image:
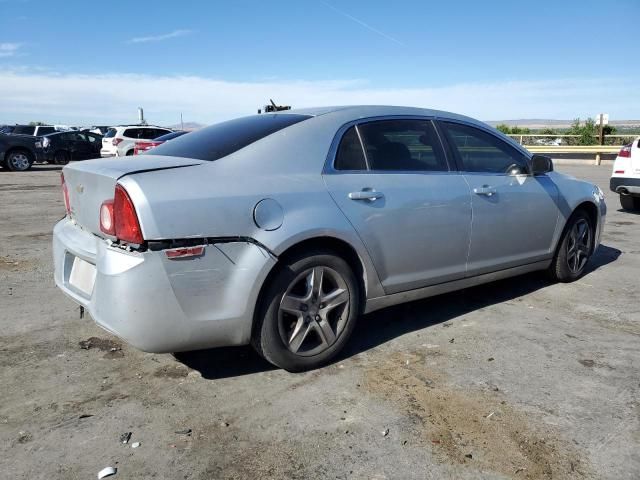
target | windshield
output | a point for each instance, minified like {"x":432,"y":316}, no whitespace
{"x":224,"y":138}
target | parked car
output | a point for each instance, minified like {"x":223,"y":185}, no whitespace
{"x":280,"y":229}
{"x":18,"y":152}
{"x":35,"y":130}
{"x":625,"y":179}
{"x":61,"y":147}
{"x":120,"y":141}
{"x":99,"y":129}
{"x":145,"y":145}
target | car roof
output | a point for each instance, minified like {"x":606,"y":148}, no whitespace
{"x":363,"y":111}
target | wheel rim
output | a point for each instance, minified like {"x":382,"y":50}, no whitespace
{"x":19,"y":161}
{"x":313,"y":311}
{"x":578,"y":246}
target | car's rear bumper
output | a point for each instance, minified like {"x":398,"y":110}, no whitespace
{"x":162,"y":305}
{"x":628,"y":185}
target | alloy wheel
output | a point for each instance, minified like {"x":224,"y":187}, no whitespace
{"x":19,"y":161}
{"x":579,"y":246}
{"x":314,"y":311}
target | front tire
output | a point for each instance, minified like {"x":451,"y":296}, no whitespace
{"x":308,"y":312}
{"x":19,"y":161}
{"x":574,"y":250}
{"x":628,"y":202}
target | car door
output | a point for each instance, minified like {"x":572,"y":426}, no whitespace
{"x":391,"y":179}
{"x":515,"y":214}
{"x":79,"y":146}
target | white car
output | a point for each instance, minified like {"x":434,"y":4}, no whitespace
{"x":625,"y":179}
{"x":120,"y":141}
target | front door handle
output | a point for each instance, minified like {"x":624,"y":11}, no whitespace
{"x":484,"y":190}
{"x":370,"y":195}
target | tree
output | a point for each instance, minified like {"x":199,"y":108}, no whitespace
{"x":586,"y":132}
{"x":504,"y":128}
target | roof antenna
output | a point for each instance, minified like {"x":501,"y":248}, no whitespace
{"x":275,"y":108}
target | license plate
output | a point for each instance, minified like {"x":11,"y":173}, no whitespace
{"x":83,"y":276}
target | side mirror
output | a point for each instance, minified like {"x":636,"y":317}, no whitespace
{"x":541,"y":164}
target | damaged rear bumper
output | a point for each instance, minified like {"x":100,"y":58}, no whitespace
{"x":159,"y":304}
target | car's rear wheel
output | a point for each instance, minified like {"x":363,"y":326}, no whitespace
{"x":629,"y":202}
{"x":308,"y":312}
{"x":19,"y":161}
{"x":129,"y":153}
{"x":574,"y":250}
{"x":61,"y":157}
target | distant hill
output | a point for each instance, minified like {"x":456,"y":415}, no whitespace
{"x":187,"y":126}
{"x":542,"y":123}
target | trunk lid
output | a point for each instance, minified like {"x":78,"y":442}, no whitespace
{"x":91,"y":182}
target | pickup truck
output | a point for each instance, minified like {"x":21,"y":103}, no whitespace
{"x":18,"y":152}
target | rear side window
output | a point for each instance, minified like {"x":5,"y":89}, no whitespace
{"x":131,"y":133}
{"x":110,"y":133}
{"x":46,"y":130}
{"x":170,"y":136}
{"x":402,"y":145}
{"x":350,"y":155}
{"x":24,"y":130}
{"x":225,"y":138}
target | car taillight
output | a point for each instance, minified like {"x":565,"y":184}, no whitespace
{"x":116,"y":141}
{"x":625,"y":152}
{"x":118,"y":217}
{"x":65,"y":194}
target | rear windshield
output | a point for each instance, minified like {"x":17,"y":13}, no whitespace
{"x":110,"y":133}
{"x":169,"y":136}
{"x":224,"y":138}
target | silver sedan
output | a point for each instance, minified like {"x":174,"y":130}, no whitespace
{"x":281,"y":229}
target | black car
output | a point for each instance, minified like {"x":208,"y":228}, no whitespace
{"x":60,"y":147}
{"x":18,"y":152}
{"x":36,"y":130}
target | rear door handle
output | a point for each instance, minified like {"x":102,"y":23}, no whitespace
{"x":370,"y":195}
{"x":484,"y":190}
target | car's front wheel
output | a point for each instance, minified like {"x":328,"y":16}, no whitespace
{"x":574,"y":250}
{"x":308,"y":312}
{"x":628,"y":202}
{"x":19,"y":161}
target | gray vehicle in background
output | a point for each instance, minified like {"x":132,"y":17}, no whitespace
{"x":281,"y":229}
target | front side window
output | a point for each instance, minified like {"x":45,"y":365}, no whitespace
{"x":479,"y":151}
{"x":402,"y":145}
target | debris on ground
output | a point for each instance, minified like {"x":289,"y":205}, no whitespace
{"x":135,"y":444}
{"x":468,"y":455}
{"x":385,"y":432}
{"x":24,"y":437}
{"x":85,"y":415}
{"x":125,"y":437}
{"x":490,"y":359}
{"x":185,"y":431}
{"x":452,"y":340}
{"x":224,"y":424}
{"x":107,"y":472}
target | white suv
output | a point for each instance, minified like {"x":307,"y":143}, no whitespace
{"x":625,"y":179}
{"x":120,"y":141}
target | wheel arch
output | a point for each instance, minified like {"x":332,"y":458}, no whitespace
{"x":339,"y":247}
{"x":591,"y":210}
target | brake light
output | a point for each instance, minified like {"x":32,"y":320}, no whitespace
{"x":116,"y":141}
{"x":618,"y":171}
{"x":65,"y":194}
{"x":625,"y":152}
{"x":118,"y":217}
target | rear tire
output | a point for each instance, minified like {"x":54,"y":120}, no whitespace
{"x":129,"y":153}
{"x":19,"y":160}
{"x":308,"y":312}
{"x":61,"y":157}
{"x":574,"y":250}
{"x":631,"y":203}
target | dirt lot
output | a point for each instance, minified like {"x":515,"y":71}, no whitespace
{"x":516,"y":379}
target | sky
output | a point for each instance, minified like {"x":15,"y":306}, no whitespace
{"x":78,"y":62}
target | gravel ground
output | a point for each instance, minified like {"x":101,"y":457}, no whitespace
{"x":515,"y":379}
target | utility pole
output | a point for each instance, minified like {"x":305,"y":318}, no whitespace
{"x":181,"y":122}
